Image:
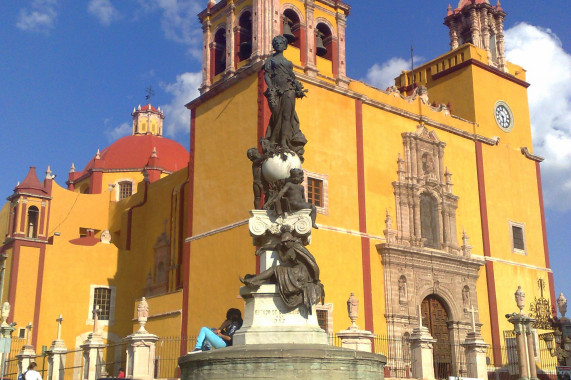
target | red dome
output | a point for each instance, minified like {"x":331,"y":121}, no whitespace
{"x":134,"y":152}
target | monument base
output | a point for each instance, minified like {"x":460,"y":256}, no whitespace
{"x":267,"y":320}
{"x":282,"y":361}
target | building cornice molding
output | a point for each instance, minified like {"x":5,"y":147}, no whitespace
{"x":481,"y":65}
{"x":525,"y":151}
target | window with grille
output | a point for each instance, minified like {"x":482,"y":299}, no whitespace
{"x":322,"y":319}
{"x":102,"y":298}
{"x":517,"y":237}
{"x":315,"y":191}
{"x":125,"y":190}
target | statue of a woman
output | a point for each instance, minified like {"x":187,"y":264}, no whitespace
{"x":283,"y":130}
{"x":297,"y":276}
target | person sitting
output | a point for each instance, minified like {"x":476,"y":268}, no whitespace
{"x":222,"y":337}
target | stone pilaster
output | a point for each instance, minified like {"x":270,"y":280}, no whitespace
{"x":311,"y":66}
{"x":206,"y":40}
{"x":230,"y":23}
{"x":25,"y":357}
{"x":56,"y":360}
{"x":476,"y":355}
{"x":140,"y":362}
{"x":521,"y":326}
{"x":341,"y":79}
{"x":92,"y":356}
{"x":421,"y":346}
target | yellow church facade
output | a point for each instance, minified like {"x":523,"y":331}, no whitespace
{"x":428,"y":193}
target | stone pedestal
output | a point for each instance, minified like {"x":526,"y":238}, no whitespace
{"x":141,"y":356}
{"x":422,"y":360}
{"x":524,"y":342}
{"x":356,"y":339}
{"x":282,"y":361}
{"x":476,"y":356}
{"x":25,"y":357}
{"x":267,"y":320}
{"x":92,"y":357}
{"x":56,"y":360}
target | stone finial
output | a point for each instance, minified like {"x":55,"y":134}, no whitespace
{"x":72,"y":169}
{"x":59,"y":320}
{"x":449,"y":10}
{"x":29,"y":334}
{"x":562,"y":304}
{"x":388,"y":220}
{"x":142,"y":315}
{"x":154,"y":154}
{"x":466,"y":247}
{"x":6,"y":313}
{"x":211,"y":3}
{"x":98,"y":155}
{"x":139,"y":108}
{"x":353,"y":310}
{"x":390,"y":234}
{"x":49,"y":173}
{"x":96,"y":312}
{"x":520,"y":299}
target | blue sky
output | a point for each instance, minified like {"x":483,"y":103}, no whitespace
{"x":72,"y":71}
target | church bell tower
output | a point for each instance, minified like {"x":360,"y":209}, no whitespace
{"x":481,"y":24}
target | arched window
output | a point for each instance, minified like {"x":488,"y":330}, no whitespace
{"x":244,"y":37}
{"x":33,"y":213}
{"x":429,"y":220}
{"x":220,"y":51}
{"x":291,"y":28}
{"x":323,"y":41}
{"x":125,"y":189}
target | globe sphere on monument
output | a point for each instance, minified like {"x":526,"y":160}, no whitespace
{"x":279,"y":165}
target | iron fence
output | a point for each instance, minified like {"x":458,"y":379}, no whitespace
{"x":167,"y":353}
{"x":398,"y":353}
{"x":72,"y":364}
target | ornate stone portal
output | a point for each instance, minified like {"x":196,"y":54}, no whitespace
{"x":421,"y":257}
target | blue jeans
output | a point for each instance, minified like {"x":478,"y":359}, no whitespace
{"x":209,"y":335}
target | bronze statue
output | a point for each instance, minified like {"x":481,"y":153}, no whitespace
{"x":259,"y":183}
{"x":291,"y":197}
{"x":283,"y":131}
{"x":297,"y":276}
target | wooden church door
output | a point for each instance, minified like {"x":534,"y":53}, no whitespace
{"x":435,"y":318}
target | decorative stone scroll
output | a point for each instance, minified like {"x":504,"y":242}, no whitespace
{"x":266,"y":226}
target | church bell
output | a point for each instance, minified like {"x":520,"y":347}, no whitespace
{"x":320,"y":49}
{"x":288,"y":34}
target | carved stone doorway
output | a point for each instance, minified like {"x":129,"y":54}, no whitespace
{"x":435,"y":318}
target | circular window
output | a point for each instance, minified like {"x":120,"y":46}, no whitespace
{"x":504,"y":116}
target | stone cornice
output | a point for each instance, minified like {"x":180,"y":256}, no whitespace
{"x":529,"y":155}
{"x":427,"y":258}
{"x":481,"y":65}
{"x":31,"y":195}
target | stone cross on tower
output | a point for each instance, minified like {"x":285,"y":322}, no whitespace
{"x":28,"y":335}
{"x":59,"y":320}
{"x":472,"y":312}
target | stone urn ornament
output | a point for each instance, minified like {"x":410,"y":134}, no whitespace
{"x":6,"y":313}
{"x":353,"y":310}
{"x":562,"y":304}
{"x":520,"y":299}
{"x":142,"y":315}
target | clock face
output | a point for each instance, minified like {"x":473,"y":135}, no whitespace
{"x":504,"y":116}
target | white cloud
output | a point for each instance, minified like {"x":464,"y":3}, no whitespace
{"x":179,"y":22}
{"x":383,"y":75}
{"x":119,"y":131}
{"x":104,"y":11}
{"x":40,"y":17}
{"x":185,"y":89}
{"x":548,"y":66}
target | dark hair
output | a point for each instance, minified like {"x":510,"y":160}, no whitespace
{"x":234,"y":315}
{"x":32,"y":365}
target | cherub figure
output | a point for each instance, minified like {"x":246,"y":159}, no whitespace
{"x":294,"y":195}
{"x":258,"y":184}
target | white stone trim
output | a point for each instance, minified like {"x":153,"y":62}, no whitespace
{"x":512,"y":224}
{"x":292,"y":7}
{"x":324,"y":178}
{"x":117,"y":187}
{"x":111,"y":320}
{"x":323,"y":20}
